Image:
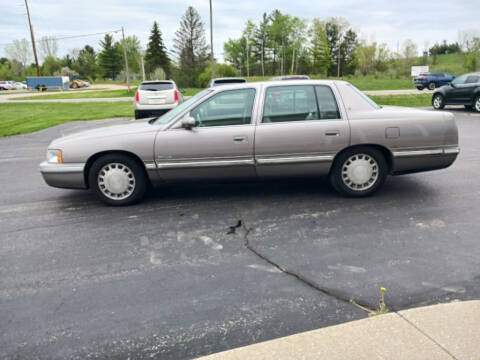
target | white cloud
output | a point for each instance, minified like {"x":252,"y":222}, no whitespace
{"x":384,"y":21}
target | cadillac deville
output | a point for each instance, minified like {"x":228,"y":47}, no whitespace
{"x":257,"y":130}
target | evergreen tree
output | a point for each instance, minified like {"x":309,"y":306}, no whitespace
{"x":319,"y":48}
{"x":190,"y":47}
{"x":110,"y":58}
{"x":156,"y":55}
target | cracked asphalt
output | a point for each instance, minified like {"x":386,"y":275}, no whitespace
{"x":172,"y":278}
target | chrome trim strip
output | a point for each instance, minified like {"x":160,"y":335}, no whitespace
{"x":454,"y":150}
{"x":46,"y":167}
{"x":437,"y":151}
{"x":203,"y":163}
{"x":410,"y":153}
{"x":150,"y":165}
{"x":294,"y":159}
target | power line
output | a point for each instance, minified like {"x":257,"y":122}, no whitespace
{"x":71,"y":36}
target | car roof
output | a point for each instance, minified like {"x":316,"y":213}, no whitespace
{"x":270,"y":83}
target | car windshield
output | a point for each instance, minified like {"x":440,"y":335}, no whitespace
{"x":174,"y":112}
{"x":366,"y":98}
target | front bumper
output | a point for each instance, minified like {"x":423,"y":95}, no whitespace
{"x":69,"y":175}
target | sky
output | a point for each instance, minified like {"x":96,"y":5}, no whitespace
{"x":383,"y":21}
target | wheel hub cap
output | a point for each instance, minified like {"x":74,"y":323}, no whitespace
{"x":116,"y":181}
{"x":360,"y":172}
{"x":477,"y":105}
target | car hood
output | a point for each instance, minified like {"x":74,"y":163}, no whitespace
{"x":136,"y":127}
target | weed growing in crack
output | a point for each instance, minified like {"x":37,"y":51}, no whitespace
{"x":382,"y":307}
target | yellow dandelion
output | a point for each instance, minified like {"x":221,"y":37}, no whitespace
{"x":383,"y":289}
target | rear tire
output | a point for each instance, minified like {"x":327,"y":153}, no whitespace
{"x":118,"y":180}
{"x":438,"y":102}
{"x":468,"y":107}
{"x":431,"y":86}
{"x":359,"y":172}
{"x":476,"y":104}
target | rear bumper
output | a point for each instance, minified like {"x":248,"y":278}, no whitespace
{"x":410,"y":161}
{"x":151,"y":107}
{"x":69,"y":176}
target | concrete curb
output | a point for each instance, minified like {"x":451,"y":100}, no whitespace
{"x":444,"y":331}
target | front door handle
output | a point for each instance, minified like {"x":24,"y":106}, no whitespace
{"x":332,"y":133}
{"x":240,"y":138}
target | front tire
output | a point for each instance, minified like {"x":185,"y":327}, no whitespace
{"x":359,"y":172}
{"x":420,"y":88}
{"x":438,"y":102}
{"x":431,"y":86}
{"x":118,"y":180}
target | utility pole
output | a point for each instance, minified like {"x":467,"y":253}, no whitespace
{"x":338,"y":61}
{"x":211,"y":42}
{"x":143,"y":67}
{"x":127,"y":75}
{"x":33,"y":40}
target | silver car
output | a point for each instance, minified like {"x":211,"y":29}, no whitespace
{"x":257,"y":130}
{"x":155,"y":98}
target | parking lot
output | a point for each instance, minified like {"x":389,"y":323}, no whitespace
{"x":200,"y":268}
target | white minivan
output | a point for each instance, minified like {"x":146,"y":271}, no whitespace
{"x":154,"y":98}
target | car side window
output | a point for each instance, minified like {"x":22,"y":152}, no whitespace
{"x":290,"y":103}
{"x":472,"y":79}
{"x":460,"y":80}
{"x":230,"y":107}
{"x":327,"y":105}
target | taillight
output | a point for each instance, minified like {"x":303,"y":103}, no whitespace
{"x":137,"y":97}
{"x":175,"y":96}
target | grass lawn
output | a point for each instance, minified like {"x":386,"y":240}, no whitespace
{"x":23,"y":118}
{"x":361,"y":82}
{"x":404,"y":100}
{"x":94,"y":94}
{"x":82,"y":95}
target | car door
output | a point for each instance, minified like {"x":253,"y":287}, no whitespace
{"x":296,"y":134}
{"x":220,"y":145}
{"x":457,"y":94}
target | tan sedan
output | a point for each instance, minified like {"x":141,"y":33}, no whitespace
{"x":257,"y":130}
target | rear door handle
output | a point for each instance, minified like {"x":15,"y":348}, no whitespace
{"x":239,"y":138}
{"x":332,"y":133}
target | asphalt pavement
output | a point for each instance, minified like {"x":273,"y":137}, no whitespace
{"x":200,"y":268}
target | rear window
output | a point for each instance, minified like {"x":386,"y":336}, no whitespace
{"x":230,"y":81}
{"x":156,"y":86}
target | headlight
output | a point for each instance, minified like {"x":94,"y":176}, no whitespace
{"x":54,"y":156}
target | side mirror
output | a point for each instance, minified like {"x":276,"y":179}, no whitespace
{"x":188,"y":122}
{"x":451,"y":84}
{"x":183,"y":91}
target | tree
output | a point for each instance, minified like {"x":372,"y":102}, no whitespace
{"x":51,"y":65}
{"x":347,"y":53}
{"x":85,"y":63}
{"x":319,"y":49}
{"x":249,"y":35}
{"x":279,"y":31}
{"x":190,"y":47}
{"x":409,"y":52}
{"x":261,"y":37}
{"x":156,"y":55}
{"x":20,"y":50}
{"x":221,"y":70}
{"x":297,"y":39}
{"x":48,"y":47}
{"x":110,"y":58}
{"x":234,"y":52}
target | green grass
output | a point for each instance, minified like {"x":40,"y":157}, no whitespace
{"x":23,"y":118}
{"x":94,"y":94}
{"x":404,"y":100}
{"x":361,"y":82}
{"x":82,"y":95}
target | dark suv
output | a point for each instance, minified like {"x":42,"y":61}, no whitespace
{"x":464,"y":90}
{"x":432,"y":80}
